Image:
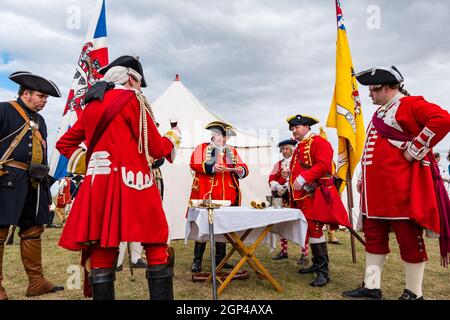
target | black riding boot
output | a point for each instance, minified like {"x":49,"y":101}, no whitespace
{"x":320,"y":253}
{"x":221,"y":252}
{"x":199,"y":249}
{"x":160,"y":276}
{"x":102,"y":283}
{"x":310,"y":269}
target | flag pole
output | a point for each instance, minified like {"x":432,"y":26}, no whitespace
{"x":349,"y":187}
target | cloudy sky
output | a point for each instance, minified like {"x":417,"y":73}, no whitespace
{"x":253,"y":62}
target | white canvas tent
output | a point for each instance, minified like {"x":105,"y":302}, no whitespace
{"x":178,"y":102}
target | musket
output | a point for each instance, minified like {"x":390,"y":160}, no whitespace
{"x":10,"y":239}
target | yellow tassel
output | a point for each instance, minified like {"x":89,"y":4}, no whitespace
{"x":323,"y":134}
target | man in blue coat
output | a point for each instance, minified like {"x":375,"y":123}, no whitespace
{"x":24,"y":187}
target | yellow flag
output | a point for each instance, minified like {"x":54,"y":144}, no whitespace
{"x":345,"y":111}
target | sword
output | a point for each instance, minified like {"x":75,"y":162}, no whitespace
{"x":210,"y":206}
{"x":130,"y":262}
{"x":310,"y":188}
{"x":212,"y":243}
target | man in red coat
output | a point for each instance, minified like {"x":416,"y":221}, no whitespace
{"x":217,"y":170}
{"x":118,"y":200}
{"x":279,"y":185}
{"x":63,"y":198}
{"x":398,"y":184}
{"x":314,"y":193}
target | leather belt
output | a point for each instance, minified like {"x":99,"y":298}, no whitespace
{"x":17,"y":164}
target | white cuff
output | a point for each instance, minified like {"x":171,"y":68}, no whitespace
{"x":241,"y":175}
{"x":273,"y":185}
{"x":300,"y":180}
{"x":417,"y":153}
{"x":421,"y":145}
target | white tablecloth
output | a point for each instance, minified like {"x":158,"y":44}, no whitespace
{"x":288,"y":223}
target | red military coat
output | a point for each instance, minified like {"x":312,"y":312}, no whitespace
{"x":394,"y":188}
{"x":223,"y":185}
{"x":118,"y":200}
{"x":312,"y":159}
{"x":64,"y":197}
{"x":275,"y":175}
{"x":275,"y":178}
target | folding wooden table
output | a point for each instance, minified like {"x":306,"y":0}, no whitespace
{"x":245,"y":229}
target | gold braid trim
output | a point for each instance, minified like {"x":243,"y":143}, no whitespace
{"x":145,"y":109}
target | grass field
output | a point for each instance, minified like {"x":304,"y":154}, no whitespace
{"x":344,"y":274}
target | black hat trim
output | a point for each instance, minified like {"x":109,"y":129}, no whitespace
{"x":128,"y":62}
{"x":301,"y":120}
{"x":287,"y":142}
{"x":19,"y":77}
{"x":389,"y":75}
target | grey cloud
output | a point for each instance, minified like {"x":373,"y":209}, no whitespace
{"x":252,"y":62}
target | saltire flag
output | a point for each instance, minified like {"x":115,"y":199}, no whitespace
{"x":345,"y":111}
{"x":94,"y":55}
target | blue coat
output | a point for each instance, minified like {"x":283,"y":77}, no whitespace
{"x":15,"y":186}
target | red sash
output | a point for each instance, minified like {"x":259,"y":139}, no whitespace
{"x":442,"y":198}
{"x":107,"y":117}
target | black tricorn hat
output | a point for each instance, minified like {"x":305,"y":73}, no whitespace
{"x":34,"y":82}
{"x":287,"y":142}
{"x":128,"y":62}
{"x":224,"y":128}
{"x":301,"y":120}
{"x":379,"y":75}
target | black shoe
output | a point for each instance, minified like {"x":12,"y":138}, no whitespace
{"x":409,"y":295}
{"x":303,"y":260}
{"x":321,"y":263}
{"x":280,"y":256}
{"x":320,"y":280}
{"x":196,"y":266}
{"x":139,"y":264}
{"x":362,"y":292}
{"x":334,"y":242}
{"x":119,"y":268}
{"x":310,"y":269}
{"x":57,"y":288}
{"x":53,"y":226}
